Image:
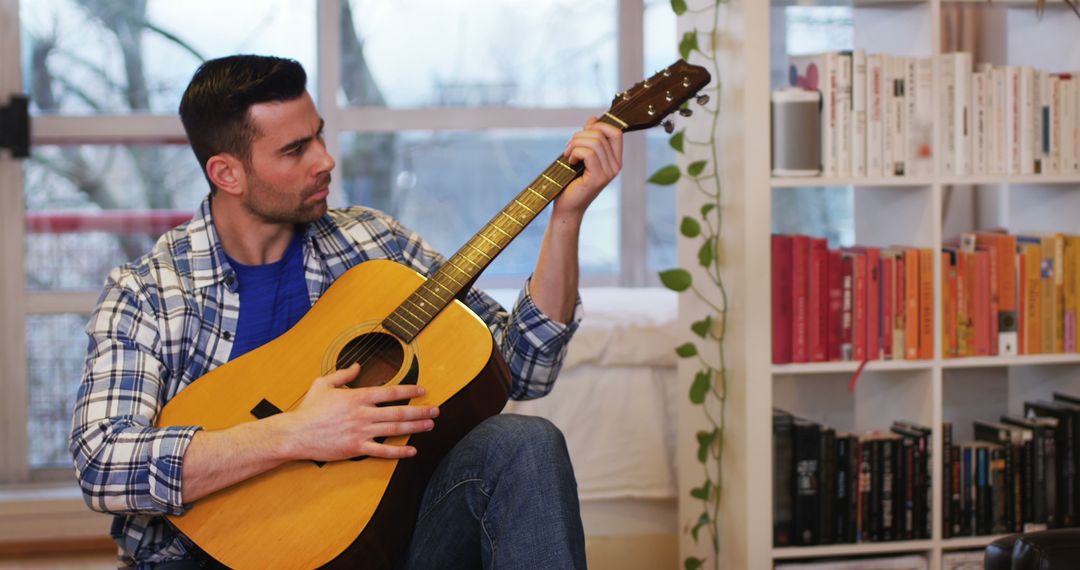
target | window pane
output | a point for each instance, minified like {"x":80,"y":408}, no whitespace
{"x":90,"y":208}
{"x":110,"y":56}
{"x":661,"y":50}
{"x":446,"y":185}
{"x":55,"y":349}
{"x":539,"y":53}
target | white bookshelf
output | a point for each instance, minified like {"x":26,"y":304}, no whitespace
{"x":894,"y":210}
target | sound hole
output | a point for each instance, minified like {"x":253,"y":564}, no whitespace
{"x":379,"y":354}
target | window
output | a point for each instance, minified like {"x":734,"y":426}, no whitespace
{"x":430,"y":106}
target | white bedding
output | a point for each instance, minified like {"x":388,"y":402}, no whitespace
{"x":615,"y":397}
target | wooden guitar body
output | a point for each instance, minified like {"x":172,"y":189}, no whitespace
{"x":304,"y":514}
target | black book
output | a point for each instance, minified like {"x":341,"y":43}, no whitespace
{"x":1042,"y":469}
{"x":904,"y":493}
{"x":827,"y":525}
{"x":1065,"y":436}
{"x":967,"y":491}
{"x":854,"y":482}
{"x":783,"y":477}
{"x":867,"y":505}
{"x":807,"y":503}
{"x":1007,"y":497}
{"x":844,"y":475}
{"x":948,"y":514}
{"x":1073,"y":403}
{"x":922,"y":467}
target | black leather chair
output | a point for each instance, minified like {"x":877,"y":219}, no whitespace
{"x":1043,"y":550}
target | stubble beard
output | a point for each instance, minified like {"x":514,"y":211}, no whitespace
{"x":276,"y":206}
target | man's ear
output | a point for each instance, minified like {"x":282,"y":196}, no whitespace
{"x":227,"y":173}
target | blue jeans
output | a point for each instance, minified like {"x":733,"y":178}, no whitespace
{"x":504,"y":497}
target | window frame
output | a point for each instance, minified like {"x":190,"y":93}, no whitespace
{"x":16,"y":303}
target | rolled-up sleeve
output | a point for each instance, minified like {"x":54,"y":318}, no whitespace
{"x":124,"y":464}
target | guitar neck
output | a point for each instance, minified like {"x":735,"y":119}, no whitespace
{"x":461,"y":270}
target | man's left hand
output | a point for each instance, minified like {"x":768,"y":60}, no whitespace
{"x":599,"y":145}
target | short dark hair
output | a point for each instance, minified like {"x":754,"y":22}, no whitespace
{"x":214,"y":108}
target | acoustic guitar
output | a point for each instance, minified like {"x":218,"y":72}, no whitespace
{"x":401,"y":328}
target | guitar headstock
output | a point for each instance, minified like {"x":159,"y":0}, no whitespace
{"x":647,"y":103}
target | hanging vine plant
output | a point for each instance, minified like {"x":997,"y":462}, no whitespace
{"x":708,"y":389}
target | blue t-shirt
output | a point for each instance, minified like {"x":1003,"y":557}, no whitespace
{"x":273,"y":298}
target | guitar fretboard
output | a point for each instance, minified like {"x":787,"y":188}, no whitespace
{"x":459,"y":272}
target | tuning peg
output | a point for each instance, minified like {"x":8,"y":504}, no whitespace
{"x":685,"y":112}
{"x":669,"y":127}
{"x":702,"y":100}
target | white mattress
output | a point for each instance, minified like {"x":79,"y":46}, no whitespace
{"x":615,"y":397}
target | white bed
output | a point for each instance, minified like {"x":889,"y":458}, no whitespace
{"x":615,"y":402}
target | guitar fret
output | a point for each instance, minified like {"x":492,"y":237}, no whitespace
{"x":485,"y":238}
{"x":566,"y":166}
{"x":519,"y":203}
{"x":415,"y":316}
{"x":466,"y":258}
{"x":511,"y":218}
{"x":542,"y":197}
{"x":553,"y":181}
{"x":502,"y":231}
{"x":397,"y":320}
{"x":447,"y":275}
{"x":454,"y":264}
{"x":486,"y":256}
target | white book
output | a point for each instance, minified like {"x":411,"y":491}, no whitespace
{"x":858,"y":113}
{"x":1074,"y":125}
{"x":1012,"y":119}
{"x":813,"y":72}
{"x":948,"y":111}
{"x":1068,"y":121}
{"x":1037,"y":88}
{"x":1027,"y":118}
{"x":979,"y":126}
{"x":962,"y":92}
{"x":1044,"y":113}
{"x":888,"y":167}
{"x":998,"y":161}
{"x":899,"y":101}
{"x":875,"y":116}
{"x":1054,"y":125}
{"x":920,"y":133}
{"x":843,"y":115}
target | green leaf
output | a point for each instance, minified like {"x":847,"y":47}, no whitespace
{"x":706,"y":209}
{"x":705,"y":254}
{"x":693,"y":563}
{"x":688,"y":44}
{"x":699,"y":388}
{"x":677,"y":140}
{"x":701,"y":328}
{"x":677,"y":280}
{"x":689,"y":227}
{"x":696,"y":167}
{"x":701,"y":493}
{"x":686,"y":350}
{"x":702,"y":521}
{"x":678,"y":6}
{"x":666,"y":176}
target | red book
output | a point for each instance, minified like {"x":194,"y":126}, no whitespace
{"x":926,"y":304}
{"x":982,"y":303}
{"x":781,"y":299}
{"x":848,"y":308}
{"x":800,"y":297}
{"x":888,"y":310}
{"x":836,"y":305}
{"x":859,"y":316}
{"x":818,"y":300}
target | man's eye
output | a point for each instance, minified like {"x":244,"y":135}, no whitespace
{"x":294,"y":151}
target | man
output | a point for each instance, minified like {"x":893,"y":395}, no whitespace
{"x":262,"y":248}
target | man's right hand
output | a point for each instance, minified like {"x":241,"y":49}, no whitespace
{"x":334,"y":423}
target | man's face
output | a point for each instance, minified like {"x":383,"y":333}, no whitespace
{"x":288,"y":175}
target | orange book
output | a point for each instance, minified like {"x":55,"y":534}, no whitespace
{"x":964,"y":300}
{"x":1058,"y":241}
{"x":1032,"y":253}
{"x":926,"y":304}
{"x":1072,"y":257}
{"x":1006,"y":295}
{"x":948,"y":303}
{"x":981,"y":316}
{"x":912,"y":280}
{"x":1021,"y":309}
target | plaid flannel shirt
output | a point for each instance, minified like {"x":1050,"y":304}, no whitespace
{"x":170,"y":316}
